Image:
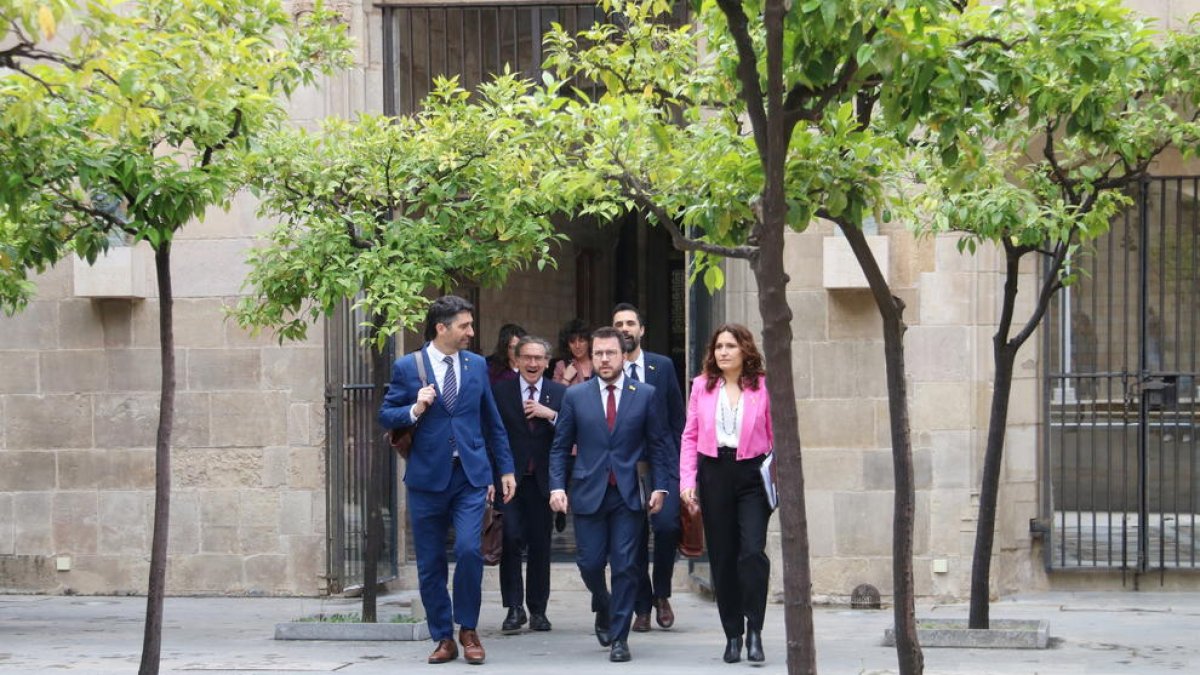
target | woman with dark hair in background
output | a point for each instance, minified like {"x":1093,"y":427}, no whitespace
{"x":725,"y":441}
{"x":574,"y":360}
{"x":502,"y":364}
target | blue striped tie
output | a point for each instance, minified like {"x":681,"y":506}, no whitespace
{"x":450,"y":385}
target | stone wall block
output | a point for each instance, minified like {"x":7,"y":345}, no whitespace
{"x":135,"y":369}
{"x":76,"y":519}
{"x":821,"y":523}
{"x":73,"y":371}
{"x":27,"y":471}
{"x":193,"y":420}
{"x":185,"y":522}
{"x":220,"y":508}
{"x":126,"y":421}
{"x":305,"y":570}
{"x":258,"y":540}
{"x":35,"y":327}
{"x":143,"y":324}
{"x":299,"y":424}
{"x":939,"y":406}
{"x":33,"y":533}
{"x":112,"y":469}
{"x":125,"y":523}
{"x":950,"y":459}
{"x":938,"y":353}
{"x":306,"y":468}
{"x":296,"y":512}
{"x":224,"y":369}
{"x":946,"y":298}
{"x":258,"y":508}
{"x":865,"y":523}
{"x":7,"y":527}
{"x":301,"y":371}
{"x":250,"y":419}
{"x":193,"y":261}
{"x":803,"y":258}
{"x":220,"y":468}
{"x":57,"y":421}
{"x":219,"y":539}
{"x":832,"y":468}
{"x":843,"y":423}
{"x":809,"y":312}
{"x":1020,"y":454}
{"x":262,"y":574}
{"x":116,"y":320}
{"x":206,"y":572}
{"x":80,"y":324}
{"x":275,"y":467}
{"x":20,"y":372}
{"x":853,"y":315}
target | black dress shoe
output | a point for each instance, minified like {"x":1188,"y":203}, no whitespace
{"x":619,"y":652}
{"x":513,"y":622}
{"x":560,"y":522}
{"x":733,"y":650}
{"x":754,"y":651}
{"x":602,"y":625}
{"x":538,"y":621}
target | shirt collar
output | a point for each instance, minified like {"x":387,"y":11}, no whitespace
{"x":641,"y":365}
{"x":620,"y":383}
{"x":537,"y":386}
{"x":437,"y":356}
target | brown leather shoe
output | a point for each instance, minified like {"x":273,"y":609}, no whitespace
{"x":445,"y":652}
{"x":641,"y":623}
{"x":472,"y":648}
{"x":663,"y":613}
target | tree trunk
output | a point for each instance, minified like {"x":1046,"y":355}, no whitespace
{"x":891,"y":310}
{"x":781,"y":389}
{"x":152,"y":640}
{"x":377,"y":480}
{"x":981,"y":565}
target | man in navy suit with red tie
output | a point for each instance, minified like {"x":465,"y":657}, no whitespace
{"x":614,"y":421}
{"x":529,"y":406}
{"x":449,"y":473}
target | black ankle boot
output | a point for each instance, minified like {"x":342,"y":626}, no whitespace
{"x":733,"y":650}
{"x":754,"y":650}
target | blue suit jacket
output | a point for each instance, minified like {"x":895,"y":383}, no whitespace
{"x":660,"y":374}
{"x":526,"y":442}
{"x":639,"y":431}
{"x":474,"y":417}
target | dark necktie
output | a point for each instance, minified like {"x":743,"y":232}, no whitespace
{"x":633,"y":372}
{"x":449,"y":385}
{"x":529,"y":420}
{"x":610,"y":415}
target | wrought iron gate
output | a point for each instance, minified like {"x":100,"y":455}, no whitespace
{"x":1121,"y":473}
{"x":352,"y":400}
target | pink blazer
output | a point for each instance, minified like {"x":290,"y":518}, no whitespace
{"x":700,"y":432}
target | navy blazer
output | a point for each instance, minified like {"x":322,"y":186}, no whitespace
{"x":639,"y":431}
{"x":660,"y":373}
{"x":524,"y":441}
{"x":474,"y":417}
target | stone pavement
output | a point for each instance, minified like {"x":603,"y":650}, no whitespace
{"x":1144,"y":633}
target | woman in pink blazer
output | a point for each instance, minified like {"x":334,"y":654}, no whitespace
{"x":726,"y":438}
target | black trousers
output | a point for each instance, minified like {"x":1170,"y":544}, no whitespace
{"x":735,"y":511}
{"x":526,"y":529}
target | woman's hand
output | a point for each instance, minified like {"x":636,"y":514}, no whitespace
{"x":688,"y":496}
{"x":569,"y":372}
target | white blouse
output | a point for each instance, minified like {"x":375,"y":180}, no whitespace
{"x":729,"y":420}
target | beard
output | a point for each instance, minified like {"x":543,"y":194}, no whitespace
{"x":629,"y":343}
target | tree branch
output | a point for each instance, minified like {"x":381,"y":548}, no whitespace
{"x":747,"y":72}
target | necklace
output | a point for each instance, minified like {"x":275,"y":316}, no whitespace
{"x":729,"y":415}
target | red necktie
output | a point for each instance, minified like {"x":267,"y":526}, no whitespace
{"x":610,"y":414}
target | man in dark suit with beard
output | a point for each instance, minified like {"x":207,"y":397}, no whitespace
{"x":528,"y":407}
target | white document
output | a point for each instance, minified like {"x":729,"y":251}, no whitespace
{"x":767,"y":471}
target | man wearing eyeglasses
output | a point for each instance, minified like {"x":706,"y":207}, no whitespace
{"x":528,"y":407}
{"x":614,"y":421}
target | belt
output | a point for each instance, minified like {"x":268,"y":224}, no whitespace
{"x":724,"y":452}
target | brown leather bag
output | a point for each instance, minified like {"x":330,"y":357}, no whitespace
{"x":401,"y":439}
{"x":691,"y":530}
{"x":492,"y":538}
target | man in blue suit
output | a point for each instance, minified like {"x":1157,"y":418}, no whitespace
{"x":449,"y":474}
{"x":615,"y":423}
{"x":529,"y":406}
{"x":658,"y":371}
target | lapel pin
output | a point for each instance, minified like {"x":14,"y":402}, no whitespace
{"x":632,"y":388}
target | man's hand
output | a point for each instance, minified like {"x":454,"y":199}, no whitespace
{"x":533,"y":410}
{"x":508,"y":483}
{"x":491,"y":494}
{"x":425,"y":396}
{"x":656,"y":501}
{"x":688,"y":496}
{"x":558,"y":501}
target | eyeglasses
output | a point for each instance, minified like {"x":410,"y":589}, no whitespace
{"x":532,"y":357}
{"x":606,"y":354}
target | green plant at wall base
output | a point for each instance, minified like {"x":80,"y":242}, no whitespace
{"x":129,"y":129}
{"x":1037,"y":155}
